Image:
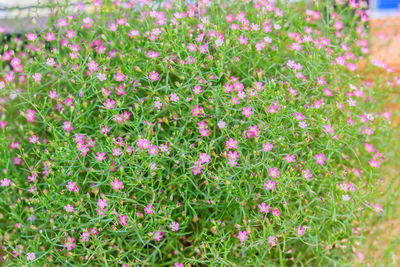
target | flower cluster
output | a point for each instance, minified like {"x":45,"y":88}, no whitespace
{"x":194,"y":133}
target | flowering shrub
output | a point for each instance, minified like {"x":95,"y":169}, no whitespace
{"x":197,"y":134}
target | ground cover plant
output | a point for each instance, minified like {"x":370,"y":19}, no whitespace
{"x":180,"y":133}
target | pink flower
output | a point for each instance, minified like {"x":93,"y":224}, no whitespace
{"x":149,"y":209}
{"x":276,"y":212}
{"x":374,"y":163}
{"x":53,"y":94}
{"x":221,"y":124}
{"x":158,"y":105}
{"x":197,"y":110}
{"x":191,"y":47}
{"x":100,"y":156}
{"x":109,"y":104}
{"x":174,"y":226}
{"x":231,"y":144}
{"x":320,"y":158}
{"x":69,"y":208}
{"x":204,"y":158}
{"x":119,"y":77}
{"x":290,"y":158}
{"x":345,"y":197}
{"x":92,"y":65}
{"x":267,"y":147}
{"x":270,"y":185}
{"x":263,"y":207}
{"x":197,"y":90}
{"x":369,"y":148}
{"x":153,"y":150}
{"x":117,"y":152}
{"x":69,"y":243}
{"x":5,"y":182}
{"x":242,"y":39}
{"x":71,"y":186}
{"x":84,"y":236}
{"x":242,"y":236}
{"x":49,"y":37}
{"x":378,"y":208}
{"x":62,"y":23}
{"x":273,"y":172}
{"x":247,"y":111}
{"x":300,"y":230}
{"x":158,"y":236}
{"x":102,"y":203}
{"x":123,"y":219}
{"x":298,"y":116}
{"x":272,"y":241}
{"x":154,"y":76}
{"x":306,"y":174}
{"x":117,"y":185}
{"x":37,"y":77}
{"x":31,"y":36}
{"x":30,"y":115}
{"x":102,"y":77}
{"x":30,"y":256}
{"x":174,"y":97}
{"x":68,"y":126}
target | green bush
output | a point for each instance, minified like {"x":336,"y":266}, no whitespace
{"x":182,"y":134}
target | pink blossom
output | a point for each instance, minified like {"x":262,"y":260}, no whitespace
{"x":100,"y":156}
{"x":272,"y":241}
{"x":174,"y":226}
{"x":102,"y":203}
{"x":247,"y":111}
{"x":378,"y":208}
{"x":274,"y":172}
{"x":263,"y":207}
{"x":71,"y":186}
{"x":117,"y":185}
{"x":242,"y":236}
{"x":30,"y":115}
{"x":37,"y":77}
{"x":149,"y":209}
{"x":290,"y":158}
{"x":30,"y":256}
{"x":306,"y":174}
{"x":31,"y":36}
{"x":154,"y":76}
{"x":221,"y":124}
{"x":109,"y":104}
{"x":204,"y":158}
{"x":300,"y":230}
{"x":69,"y":243}
{"x":197,"y":89}
{"x":231,"y":144}
{"x":267,"y":147}
{"x":320,"y":158}
{"x":276,"y":212}
{"x":369,"y":148}
{"x":123,"y":219}
{"x":270,"y":185}
{"x":5,"y":182}
{"x":69,"y":208}
{"x":158,"y":236}
{"x":92,"y":65}
{"x":68,"y":126}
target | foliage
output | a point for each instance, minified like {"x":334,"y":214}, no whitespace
{"x":199,"y":134}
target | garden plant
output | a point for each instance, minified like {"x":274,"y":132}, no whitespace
{"x":190,"y":133}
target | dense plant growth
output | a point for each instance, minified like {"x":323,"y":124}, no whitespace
{"x":189,"y":134}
